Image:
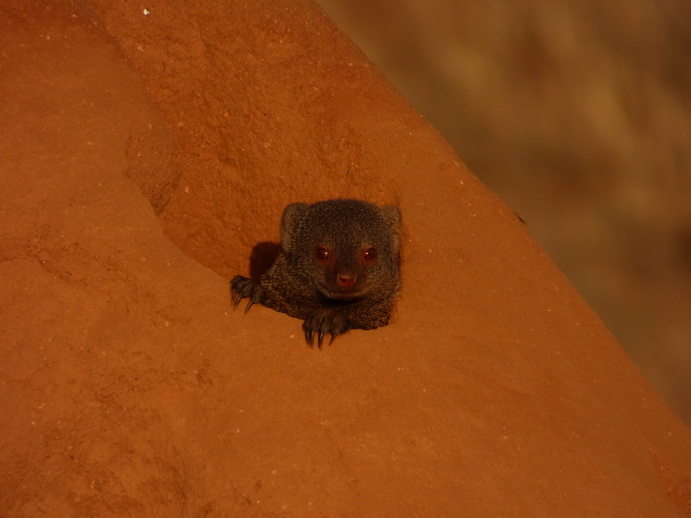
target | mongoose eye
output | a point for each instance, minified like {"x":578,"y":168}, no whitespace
{"x":369,"y":255}
{"x":323,"y":254}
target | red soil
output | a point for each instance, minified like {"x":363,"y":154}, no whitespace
{"x":143,"y":156}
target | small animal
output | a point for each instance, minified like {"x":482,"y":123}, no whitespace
{"x":338,"y":268}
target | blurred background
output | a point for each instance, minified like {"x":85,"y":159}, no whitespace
{"x":578,"y":114}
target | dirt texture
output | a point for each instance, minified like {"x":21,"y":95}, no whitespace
{"x":144,"y":152}
{"x":590,"y":105}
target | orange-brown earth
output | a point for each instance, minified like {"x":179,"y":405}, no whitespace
{"x":590,"y":104}
{"x":145,"y":151}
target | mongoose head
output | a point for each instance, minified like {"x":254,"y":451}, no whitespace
{"x":344,"y":249}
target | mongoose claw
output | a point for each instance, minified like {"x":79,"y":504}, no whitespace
{"x":243,"y":287}
{"x":309,"y":335}
{"x":324,"y":322}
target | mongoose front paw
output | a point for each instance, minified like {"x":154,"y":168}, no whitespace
{"x":242,"y":287}
{"x":322,"y":322}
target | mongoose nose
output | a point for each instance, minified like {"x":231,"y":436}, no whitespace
{"x":346,"y":279}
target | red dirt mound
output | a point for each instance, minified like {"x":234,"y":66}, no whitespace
{"x":144,"y":153}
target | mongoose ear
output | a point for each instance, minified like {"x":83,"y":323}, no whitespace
{"x":292,"y":215}
{"x":392,"y":216}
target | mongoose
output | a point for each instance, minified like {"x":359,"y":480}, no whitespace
{"x":338,"y":268}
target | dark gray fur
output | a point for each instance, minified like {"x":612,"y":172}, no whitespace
{"x":347,"y":291}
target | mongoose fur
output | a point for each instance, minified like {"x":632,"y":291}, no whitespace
{"x":338,"y":268}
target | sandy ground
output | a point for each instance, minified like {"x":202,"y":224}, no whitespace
{"x":144,"y":155}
